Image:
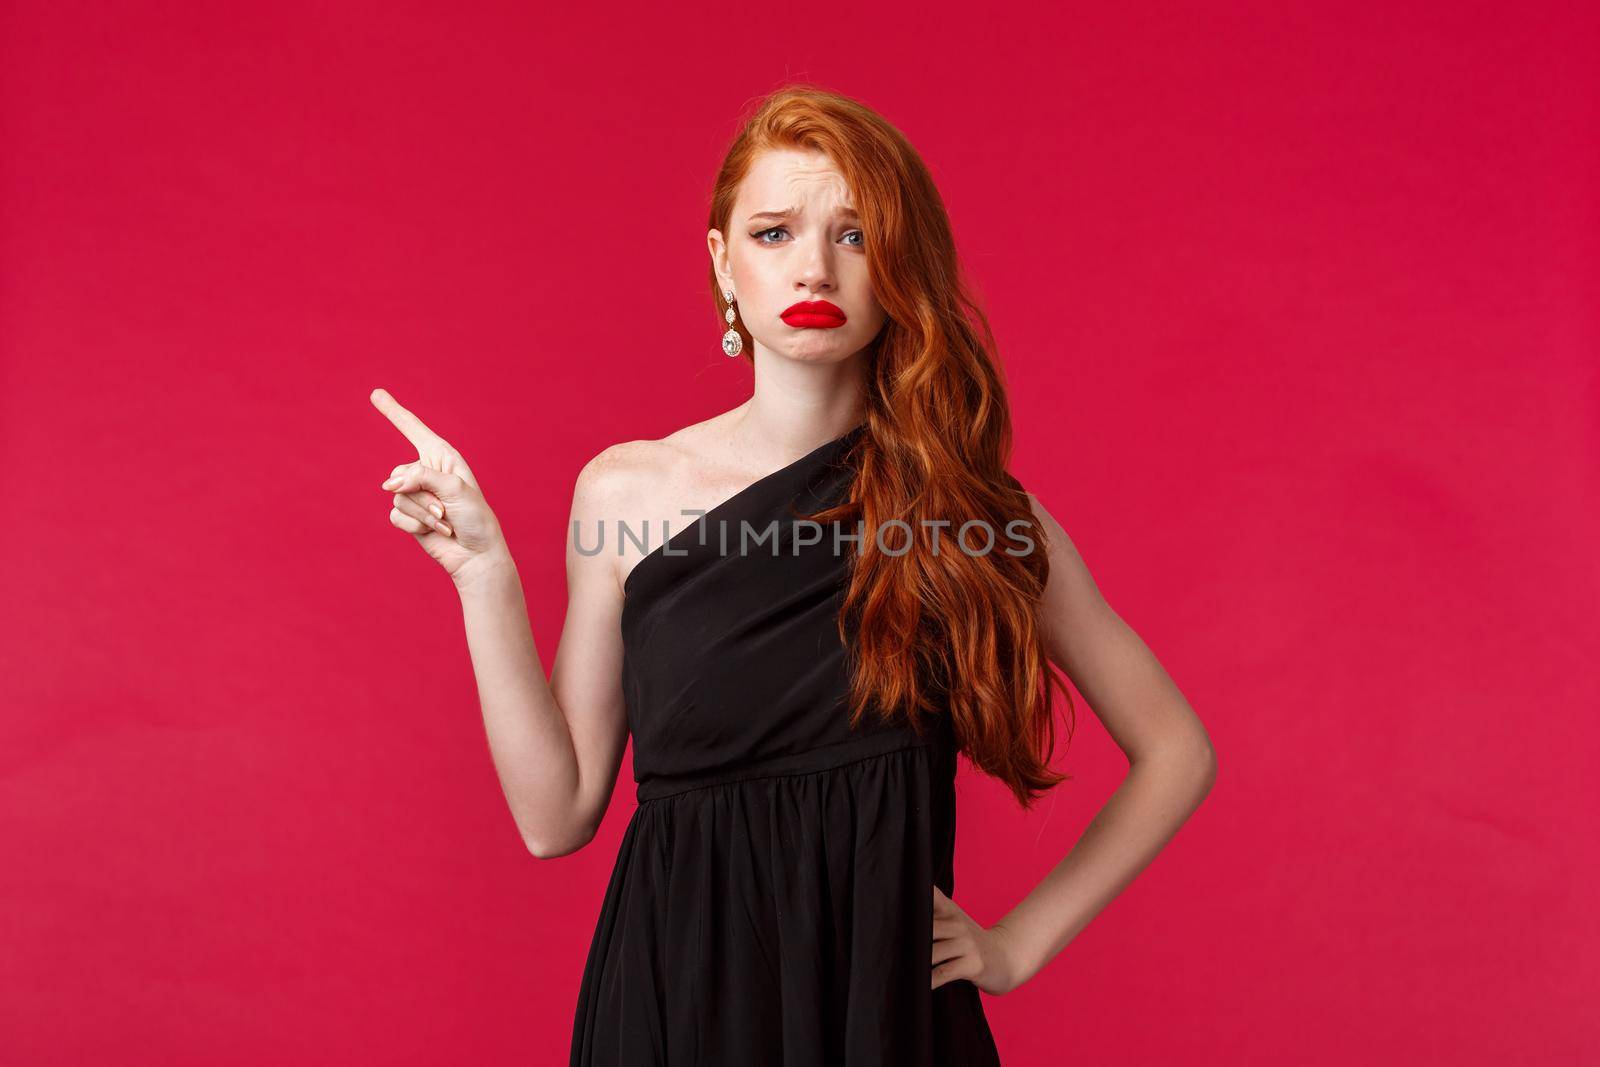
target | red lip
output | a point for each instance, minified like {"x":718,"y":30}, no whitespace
{"x":813,"y":314}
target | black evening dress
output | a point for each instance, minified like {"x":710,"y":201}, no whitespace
{"x":771,"y":904}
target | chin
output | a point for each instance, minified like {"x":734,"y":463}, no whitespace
{"x":821,"y":350}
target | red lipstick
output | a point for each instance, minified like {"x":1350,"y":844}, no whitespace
{"x":813,"y":314}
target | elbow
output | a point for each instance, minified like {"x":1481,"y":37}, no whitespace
{"x":562,"y":831}
{"x":542,"y":851}
{"x":1201,"y":760}
{"x":1208,"y":768}
{"x":552,"y":848}
{"x":1192,"y":760}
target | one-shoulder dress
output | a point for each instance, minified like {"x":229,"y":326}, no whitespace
{"x":771,"y":903}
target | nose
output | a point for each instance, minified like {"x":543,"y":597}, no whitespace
{"x":814,"y":266}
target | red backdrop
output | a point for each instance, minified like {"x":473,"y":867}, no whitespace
{"x":1297,"y":308}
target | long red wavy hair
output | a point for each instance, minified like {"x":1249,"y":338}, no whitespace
{"x":953,"y":633}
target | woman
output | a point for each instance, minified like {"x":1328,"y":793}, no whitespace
{"x":797,"y":706}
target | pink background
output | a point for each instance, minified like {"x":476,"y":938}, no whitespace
{"x":1298,"y":312}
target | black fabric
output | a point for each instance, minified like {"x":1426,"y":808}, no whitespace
{"x":771,"y":900}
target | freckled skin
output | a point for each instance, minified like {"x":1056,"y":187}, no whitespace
{"x":819,"y":253}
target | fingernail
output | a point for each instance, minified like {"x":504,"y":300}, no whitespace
{"x":444,"y":528}
{"x":391,"y":483}
{"x":438,"y":512}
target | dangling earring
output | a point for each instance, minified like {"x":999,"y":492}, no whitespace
{"x":732,"y":343}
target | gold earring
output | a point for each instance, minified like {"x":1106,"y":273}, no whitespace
{"x":732,"y":343}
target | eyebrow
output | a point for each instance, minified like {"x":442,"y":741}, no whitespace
{"x":847,"y":212}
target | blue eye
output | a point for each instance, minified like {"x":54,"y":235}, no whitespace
{"x":760,"y":236}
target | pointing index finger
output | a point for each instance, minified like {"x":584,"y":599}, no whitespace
{"x":408,"y":424}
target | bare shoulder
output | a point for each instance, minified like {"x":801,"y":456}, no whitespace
{"x":624,"y":474}
{"x":634,"y":482}
{"x":609,"y":475}
{"x":1070,"y":586}
{"x":1047,"y":522}
{"x":612,"y":481}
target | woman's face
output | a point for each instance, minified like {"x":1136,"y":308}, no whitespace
{"x":794,"y":239}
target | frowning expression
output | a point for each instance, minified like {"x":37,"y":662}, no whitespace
{"x":795,"y":257}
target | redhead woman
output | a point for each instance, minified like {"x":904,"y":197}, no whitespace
{"x":847,"y":591}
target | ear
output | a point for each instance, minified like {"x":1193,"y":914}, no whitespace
{"x":719,"y":258}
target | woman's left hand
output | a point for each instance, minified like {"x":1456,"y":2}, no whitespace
{"x":963,"y":948}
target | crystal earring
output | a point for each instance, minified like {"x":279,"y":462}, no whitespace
{"x":732,"y":343}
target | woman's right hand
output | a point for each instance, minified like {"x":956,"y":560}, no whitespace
{"x":463,"y":534}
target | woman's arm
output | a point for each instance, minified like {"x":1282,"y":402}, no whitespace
{"x":1171,"y":762}
{"x":556,"y":745}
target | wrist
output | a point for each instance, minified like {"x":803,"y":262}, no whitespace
{"x":1020,"y":960}
{"x":485,"y":570}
